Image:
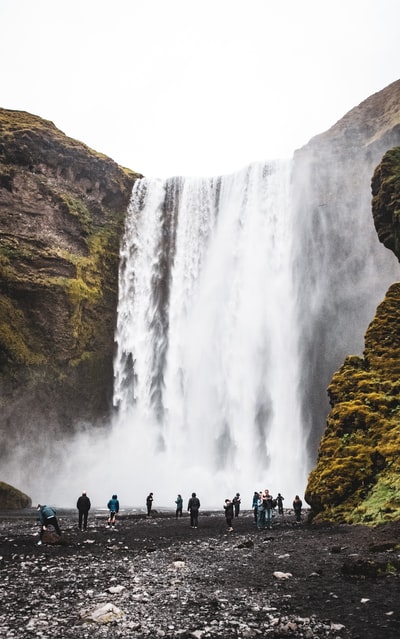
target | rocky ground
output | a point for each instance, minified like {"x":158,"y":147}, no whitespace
{"x":158,"y":577}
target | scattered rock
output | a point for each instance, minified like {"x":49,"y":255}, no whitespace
{"x":199,"y":587}
{"x":102,"y":614}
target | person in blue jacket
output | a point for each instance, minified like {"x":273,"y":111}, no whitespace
{"x":254,"y":505}
{"x":113,"y":507}
{"x":179,"y":506}
{"x":47,"y":517}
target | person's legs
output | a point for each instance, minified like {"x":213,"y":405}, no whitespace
{"x":85,"y":517}
{"x":80,"y":520}
{"x":52,"y":521}
{"x":111,"y":519}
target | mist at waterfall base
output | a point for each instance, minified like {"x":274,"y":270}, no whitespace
{"x":206,"y":372}
{"x":206,"y":369}
{"x":226,"y":292}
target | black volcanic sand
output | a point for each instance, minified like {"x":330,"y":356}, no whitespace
{"x":165,"y":579}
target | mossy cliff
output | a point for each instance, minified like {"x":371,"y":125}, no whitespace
{"x":357,"y":476}
{"x":13,"y":499}
{"x":62,"y":210}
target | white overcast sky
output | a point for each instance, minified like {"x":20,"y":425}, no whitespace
{"x":186,"y":87}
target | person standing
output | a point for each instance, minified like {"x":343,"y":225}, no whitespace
{"x":228,"y":507}
{"x":83,"y":506}
{"x":193,"y":508}
{"x":113,"y":507}
{"x":179,"y":506}
{"x":47,"y":517}
{"x":149,"y":503}
{"x":279,"y":501}
{"x":254,"y":505}
{"x":297,"y":506}
{"x":267,"y":500}
{"x":260,"y":511}
{"x":236,"y":504}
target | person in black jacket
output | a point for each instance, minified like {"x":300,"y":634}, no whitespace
{"x":193,"y":508}
{"x":149,"y":503}
{"x":268,"y":505}
{"x":228,"y":507}
{"x":236,"y":504}
{"x":83,"y":506}
{"x":297,"y":506}
{"x":279,"y":501}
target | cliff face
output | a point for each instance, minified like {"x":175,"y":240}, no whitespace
{"x":62,"y":210}
{"x":342,"y":270}
{"x":357,"y":476}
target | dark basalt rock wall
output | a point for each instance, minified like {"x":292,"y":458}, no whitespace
{"x":386,"y":200}
{"x":357,"y":476}
{"x":62,"y":211}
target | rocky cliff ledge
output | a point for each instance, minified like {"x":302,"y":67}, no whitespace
{"x":357,"y":476}
{"x":62,"y":210}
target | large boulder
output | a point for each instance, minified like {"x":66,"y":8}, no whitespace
{"x":13,"y":499}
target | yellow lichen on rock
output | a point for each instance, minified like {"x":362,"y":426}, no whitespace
{"x":357,"y":475}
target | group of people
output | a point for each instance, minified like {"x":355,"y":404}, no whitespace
{"x":193,"y":507}
{"x":263,"y":506}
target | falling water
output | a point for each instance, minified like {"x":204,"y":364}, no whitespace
{"x":206,"y":370}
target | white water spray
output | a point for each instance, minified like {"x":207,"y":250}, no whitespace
{"x":206,"y":371}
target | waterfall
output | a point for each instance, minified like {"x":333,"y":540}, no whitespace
{"x":207,"y":369}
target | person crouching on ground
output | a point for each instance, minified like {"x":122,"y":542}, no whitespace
{"x":228,"y":507}
{"x":113,"y":507}
{"x":47,"y":517}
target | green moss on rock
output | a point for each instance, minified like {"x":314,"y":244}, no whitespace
{"x":62,"y":213}
{"x":13,"y":499}
{"x":356,"y":478}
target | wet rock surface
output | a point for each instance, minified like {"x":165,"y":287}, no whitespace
{"x":157,"y":577}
